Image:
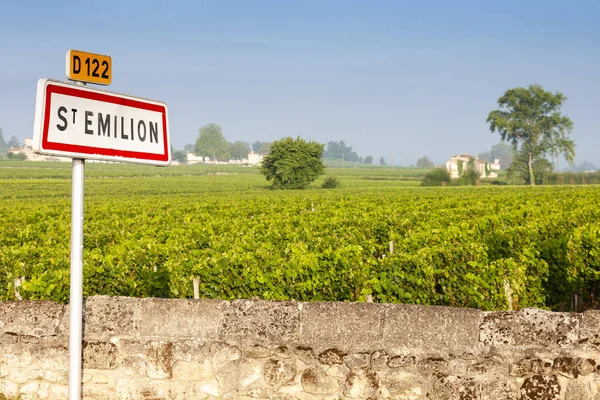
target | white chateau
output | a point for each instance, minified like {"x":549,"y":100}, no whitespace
{"x":27,"y":149}
{"x":459,"y":163}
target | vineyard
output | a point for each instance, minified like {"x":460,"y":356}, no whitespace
{"x":149,"y":231}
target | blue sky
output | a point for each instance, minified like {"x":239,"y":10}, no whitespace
{"x":398,"y":79}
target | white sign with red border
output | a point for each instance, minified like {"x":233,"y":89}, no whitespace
{"x":79,"y":122}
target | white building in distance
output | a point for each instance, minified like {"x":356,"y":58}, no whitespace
{"x":255,"y":158}
{"x":459,"y":163}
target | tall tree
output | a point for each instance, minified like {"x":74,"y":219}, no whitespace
{"x":14,"y":142}
{"x":190,"y":148}
{"x":239,"y":150}
{"x":256,"y":146}
{"x":265,"y":148}
{"x":500,"y":151}
{"x":3,"y":144}
{"x":530,"y":120}
{"x":211,"y":143}
{"x":293,"y":163}
{"x":382,"y":161}
{"x":424,"y":162}
{"x":177,"y":155}
{"x":369,"y":160}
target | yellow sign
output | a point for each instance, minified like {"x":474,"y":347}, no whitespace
{"x":89,"y":67}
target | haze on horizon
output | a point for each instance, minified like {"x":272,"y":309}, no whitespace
{"x":397,"y":79}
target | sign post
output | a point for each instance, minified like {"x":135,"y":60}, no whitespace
{"x":76,"y":288}
{"x":75,"y":121}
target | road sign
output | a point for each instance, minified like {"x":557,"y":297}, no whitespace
{"x":79,"y":122}
{"x":89,"y":67}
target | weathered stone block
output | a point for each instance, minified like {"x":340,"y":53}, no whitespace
{"x":338,"y":371}
{"x":58,"y":392}
{"x":257,"y":351}
{"x":210,"y":387}
{"x":331,"y":357}
{"x":187,"y":371}
{"x":357,"y":360}
{"x":144,"y":389}
{"x":34,"y":390}
{"x":60,"y":377}
{"x":566,"y":366}
{"x":430,"y":366}
{"x":450,"y":387}
{"x":279,"y":372}
{"x":283,"y":352}
{"x":105,"y":317}
{"x":51,"y":357}
{"x":585,"y":366}
{"x":499,"y":388}
{"x":133,"y":365}
{"x":349,"y":327}
{"x":540,"y":387}
{"x":260,"y":322}
{"x":306,"y":354}
{"x":315,"y":381}
{"x":488,"y":366}
{"x":189,"y":350}
{"x":175,"y":318}
{"x":430,"y":329}
{"x":159,"y":360}
{"x":238,"y":374}
{"x":220,"y":353}
{"x":99,"y":378}
{"x":362,"y":383}
{"x":589,"y":334}
{"x":399,"y":384}
{"x":18,"y":375}
{"x":402,"y":361}
{"x":577,"y":390}
{"x":9,"y":388}
{"x":530,"y":329}
{"x":379,"y":360}
{"x":99,"y":355}
{"x":34,"y":318}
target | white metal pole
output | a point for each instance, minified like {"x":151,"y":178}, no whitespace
{"x":76,"y":289}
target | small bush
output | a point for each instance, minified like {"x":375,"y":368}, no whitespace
{"x":331,"y":182}
{"x":470,"y":177}
{"x":437,"y":177}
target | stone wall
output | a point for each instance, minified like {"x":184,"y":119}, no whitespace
{"x":185,"y":349}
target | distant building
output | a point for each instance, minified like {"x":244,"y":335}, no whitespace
{"x":27,"y":149}
{"x":459,"y":163}
{"x":255,"y":158}
{"x":194,"y":159}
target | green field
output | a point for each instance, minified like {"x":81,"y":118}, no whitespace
{"x":149,"y":230}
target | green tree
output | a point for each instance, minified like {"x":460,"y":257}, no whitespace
{"x":437,"y":177}
{"x":265,"y":148}
{"x":518,"y":172}
{"x":424,"y":162}
{"x":500,"y":151}
{"x":17,"y":156}
{"x":179,"y":156}
{"x":531,"y":121}
{"x":211,"y":143}
{"x":470,"y":175}
{"x":368,"y":160}
{"x":239,"y":150}
{"x":14,"y":142}
{"x":3,"y":145}
{"x":293,"y":163}
{"x":190,"y":148}
{"x":256,"y":146}
{"x":382,"y":161}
